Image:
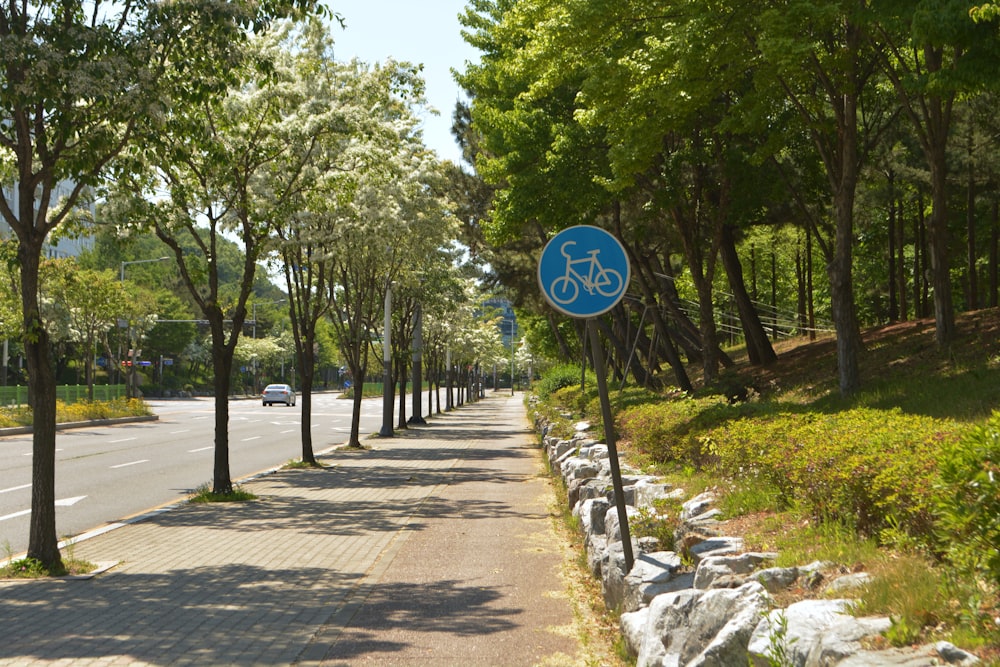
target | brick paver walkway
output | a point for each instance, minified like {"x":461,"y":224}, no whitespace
{"x":434,"y":548}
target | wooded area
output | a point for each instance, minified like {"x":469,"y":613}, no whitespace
{"x":774,"y":137}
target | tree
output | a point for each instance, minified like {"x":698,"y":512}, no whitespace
{"x":224,"y":170}
{"x":94,"y":300}
{"x":933,"y":52}
{"x":380,"y":241}
{"x":329,"y":105}
{"x":75,"y":79}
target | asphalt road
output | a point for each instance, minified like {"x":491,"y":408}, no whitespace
{"x":109,"y":474}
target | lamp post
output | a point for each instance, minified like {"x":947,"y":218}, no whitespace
{"x":513,"y":332}
{"x":418,"y":373}
{"x":130,"y":374}
{"x":386,"y":430}
{"x":141,"y":261}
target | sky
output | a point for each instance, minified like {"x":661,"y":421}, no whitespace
{"x":425,"y":33}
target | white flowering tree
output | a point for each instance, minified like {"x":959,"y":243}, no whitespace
{"x":76,"y":79}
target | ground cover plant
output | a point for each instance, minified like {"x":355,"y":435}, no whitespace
{"x":204,"y":494}
{"x":902,"y":480}
{"x":78,"y":411}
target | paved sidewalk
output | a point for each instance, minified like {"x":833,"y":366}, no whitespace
{"x":434,"y":548}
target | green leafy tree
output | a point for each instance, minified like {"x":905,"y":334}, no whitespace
{"x":94,"y":300}
{"x":934,"y":52}
{"x":76,"y":79}
{"x":226,"y":169}
{"x":369,"y":213}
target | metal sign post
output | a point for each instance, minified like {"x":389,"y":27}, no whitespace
{"x":584,"y":272}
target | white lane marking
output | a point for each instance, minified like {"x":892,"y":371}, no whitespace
{"x":256,"y":437}
{"x":130,"y":463}
{"x":121,"y":440}
{"x":291,"y":430}
{"x":58,"y":449}
{"x":16,"y":488}
{"x":176,"y":432}
{"x":65,"y":502}
{"x":200,"y":449}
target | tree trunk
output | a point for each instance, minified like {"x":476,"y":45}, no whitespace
{"x":810,"y":296}
{"x":43,"y":543}
{"x":944,"y":312}
{"x":89,"y":366}
{"x":800,"y":291}
{"x":844,"y":179}
{"x":891,"y":252}
{"x":626,"y":361}
{"x":401,"y":370}
{"x":994,"y":243}
{"x":972,"y":301}
{"x":222,"y":365}
{"x":759,"y":348}
{"x":307,"y":373}
{"x":687,"y":332}
{"x":358,"y":372}
{"x":901,"y":261}
{"x":919,"y":246}
{"x":842,"y":297}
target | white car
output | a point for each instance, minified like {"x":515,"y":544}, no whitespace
{"x":278,"y":393}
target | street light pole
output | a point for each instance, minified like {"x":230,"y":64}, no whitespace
{"x":513,"y":331}
{"x":418,"y":370}
{"x":141,"y":261}
{"x":386,"y":430}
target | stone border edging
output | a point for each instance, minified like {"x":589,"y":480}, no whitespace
{"x":710,"y":602}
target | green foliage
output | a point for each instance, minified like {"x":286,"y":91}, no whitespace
{"x":871,"y":468}
{"x":299,"y":464}
{"x":78,"y":411}
{"x":659,"y":522}
{"x":749,"y":495}
{"x":667,"y":431}
{"x":567,"y":375}
{"x":908,"y":589}
{"x":968,"y":502}
{"x":204,"y":494}
{"x":778,"y":642}
{"x":26,"y":568}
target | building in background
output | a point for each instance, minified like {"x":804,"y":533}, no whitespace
{"x":63,"y":247}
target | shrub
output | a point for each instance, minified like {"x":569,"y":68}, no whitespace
{"x":968,"y":498}
{"x":871,"y":468}
{"x":558,"y":377}
{"x":666,"y":431}
{"x":87,"y":410}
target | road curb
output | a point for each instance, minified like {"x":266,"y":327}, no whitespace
{"x":24,"y":430}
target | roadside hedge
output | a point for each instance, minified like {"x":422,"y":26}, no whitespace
{"x":873,"y":469}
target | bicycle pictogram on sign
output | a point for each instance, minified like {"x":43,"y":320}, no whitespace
{"x":583,"y":271}
{"x":593,"y":278}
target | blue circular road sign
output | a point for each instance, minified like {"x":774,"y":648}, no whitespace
{"x":583,"y":271}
